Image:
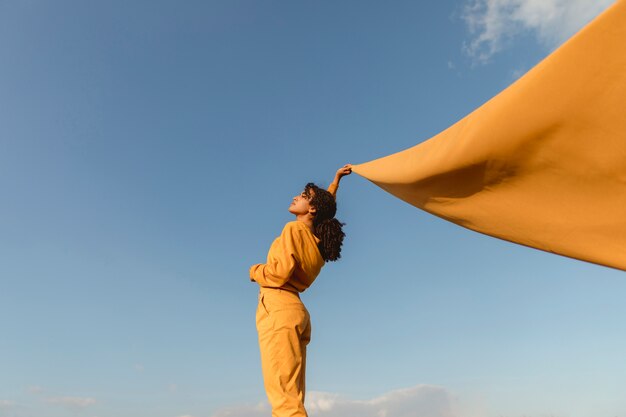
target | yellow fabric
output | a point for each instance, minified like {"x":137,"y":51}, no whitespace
{"x":543,"y":163}
{"x":284,"y":329}
{"x":293,"y":261}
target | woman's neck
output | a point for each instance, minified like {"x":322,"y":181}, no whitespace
{"x":306,"y":219}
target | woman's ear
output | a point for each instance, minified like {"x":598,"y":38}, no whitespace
{"x":312,"y":211}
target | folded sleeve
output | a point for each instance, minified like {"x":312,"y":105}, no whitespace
{"x":281,"y":260}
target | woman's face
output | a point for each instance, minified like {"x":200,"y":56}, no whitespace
{"x":300,"y":204}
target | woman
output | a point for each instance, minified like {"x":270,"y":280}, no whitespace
{"x":293,"y":262}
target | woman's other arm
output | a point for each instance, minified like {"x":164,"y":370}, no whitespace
{"x":282,"y":259}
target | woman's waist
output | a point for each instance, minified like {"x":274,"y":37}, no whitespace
{"x":280,"y":296}
{"x":280,"y":292}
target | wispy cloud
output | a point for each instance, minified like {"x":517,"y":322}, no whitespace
{"x":7,"y":408}
{"x":494,"y":23}
{"x":420,"y":400}
{"x":6,"y":404}
{"x":71,"y":402}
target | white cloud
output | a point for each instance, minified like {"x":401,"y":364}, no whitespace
{"x":493,"y":23}
{"x":6,"y":404}
{"x":71,"y":402}
{"x":7,"y":408}
{"x":421,"y":400}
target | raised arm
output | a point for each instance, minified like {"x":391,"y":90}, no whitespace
{"x":341,"y":172}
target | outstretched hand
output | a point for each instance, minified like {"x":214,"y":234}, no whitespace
{"x":343,"y":171}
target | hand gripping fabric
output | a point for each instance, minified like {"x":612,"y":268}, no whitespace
{"x":543,"y":163}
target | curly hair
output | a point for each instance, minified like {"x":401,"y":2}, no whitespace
{"x":327,"y":228}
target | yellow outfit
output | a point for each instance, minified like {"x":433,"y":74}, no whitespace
{"x":543,"y":163}
{"x":283,"y":322}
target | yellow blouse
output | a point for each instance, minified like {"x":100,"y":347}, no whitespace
{"x":293,"y":262}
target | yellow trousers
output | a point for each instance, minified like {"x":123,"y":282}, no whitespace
{"x":284,"y":328}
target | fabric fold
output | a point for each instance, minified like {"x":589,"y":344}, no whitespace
{"x":543,"y":163}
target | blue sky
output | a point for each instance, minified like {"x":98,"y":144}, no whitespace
{"x":149,"y":152}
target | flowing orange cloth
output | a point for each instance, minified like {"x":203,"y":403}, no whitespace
{"x":543,"y":163}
